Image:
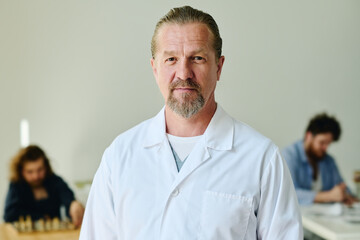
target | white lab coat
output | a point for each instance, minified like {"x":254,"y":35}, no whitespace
{"x":233,"y":185}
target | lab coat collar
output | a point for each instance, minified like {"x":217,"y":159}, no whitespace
{"x":220,"y":132}
{"x":156,"y":132}
{"x":218,"y":135}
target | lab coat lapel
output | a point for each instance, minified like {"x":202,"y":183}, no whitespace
{"x":218,"y":136}
{"x":156,"y":138}
{"x":199,"y":155}
{"x":167,"y":164}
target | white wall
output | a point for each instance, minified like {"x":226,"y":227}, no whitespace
{"x":79,"y":71}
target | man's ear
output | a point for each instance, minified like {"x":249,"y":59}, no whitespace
{"x":153,"y":66}
{"x":308,"y":136}
{"x":220,"y":64}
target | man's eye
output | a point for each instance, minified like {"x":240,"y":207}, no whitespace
{"x":198,"y":59}
{"x":172,"y":59}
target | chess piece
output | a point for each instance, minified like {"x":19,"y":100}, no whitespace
{"x":63,"y":225}
{"x":22,"y":226}
{"x":48,"y":224}
{"x":16,"y":226}
{"x":40,"y":225}
{"x":70,"y":226}
{"x":28,"y":224}
{"x":56,"y":224}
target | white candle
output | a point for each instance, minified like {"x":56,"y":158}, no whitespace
{"x":24,"y":133}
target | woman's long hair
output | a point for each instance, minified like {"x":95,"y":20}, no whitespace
{"x":29,"y":154}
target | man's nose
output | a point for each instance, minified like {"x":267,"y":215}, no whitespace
{"x":184,"y":70}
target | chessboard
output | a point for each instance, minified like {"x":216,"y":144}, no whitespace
{"x":27,"y":225}
{"x":8,"y":232}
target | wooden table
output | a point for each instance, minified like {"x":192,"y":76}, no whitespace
{"x":7,"y":232}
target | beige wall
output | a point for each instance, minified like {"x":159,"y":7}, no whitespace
{"x":79,"y":71}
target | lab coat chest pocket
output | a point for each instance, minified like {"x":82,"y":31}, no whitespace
{"x":224,"y":216}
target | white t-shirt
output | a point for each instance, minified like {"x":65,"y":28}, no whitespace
{"x":183,"y":145}
{"x":317,"y":184}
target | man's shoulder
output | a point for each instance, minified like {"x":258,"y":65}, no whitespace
{"x":130,"y":139}
{"x":225,"y":132}
{"x":292,"y":148}
{"x":246,"y":138}
{"x":329,"y":159}
{"x":294,"y":153}
{"x":135,"y":133}
{"x":244,"y":132}
{"x":126,"y":144}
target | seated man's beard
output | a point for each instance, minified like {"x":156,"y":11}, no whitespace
{"x":187,"y":106}
{"x":313,"y":154}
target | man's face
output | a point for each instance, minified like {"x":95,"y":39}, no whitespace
{"x":185,"y":67}
{"x":34,"y":172}
{"x":318,"y":144}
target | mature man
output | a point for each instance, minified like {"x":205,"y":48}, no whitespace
{"x":36,"y":191}
{"x":191,"y":172}
{"x":314,"y":172}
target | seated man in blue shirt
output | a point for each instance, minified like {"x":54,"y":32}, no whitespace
{"x":314,"y":172}
{"x":36,"y":191}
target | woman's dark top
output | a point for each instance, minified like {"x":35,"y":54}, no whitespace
{"x":20,"y":200}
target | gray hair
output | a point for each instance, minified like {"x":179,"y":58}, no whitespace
{"x":187,"y":14}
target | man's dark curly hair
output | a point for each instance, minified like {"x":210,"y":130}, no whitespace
{"x":322,"y":123}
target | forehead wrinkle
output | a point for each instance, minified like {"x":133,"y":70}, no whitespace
{"x":171,"y":35}
{"x":190,"y":53}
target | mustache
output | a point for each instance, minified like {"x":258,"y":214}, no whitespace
{"x":184,"y":83}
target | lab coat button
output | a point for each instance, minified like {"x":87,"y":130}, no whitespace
{"x":175,"y":192}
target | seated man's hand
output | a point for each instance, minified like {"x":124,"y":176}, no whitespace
{"x":350,"y":200}
{"x":338,"y":193}
{"x":76,"y":213}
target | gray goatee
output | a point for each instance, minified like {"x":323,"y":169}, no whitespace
{"x":186,"y":106}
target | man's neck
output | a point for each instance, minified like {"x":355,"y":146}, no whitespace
{"x":189,"y":127}
{"x":312,"y":160}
